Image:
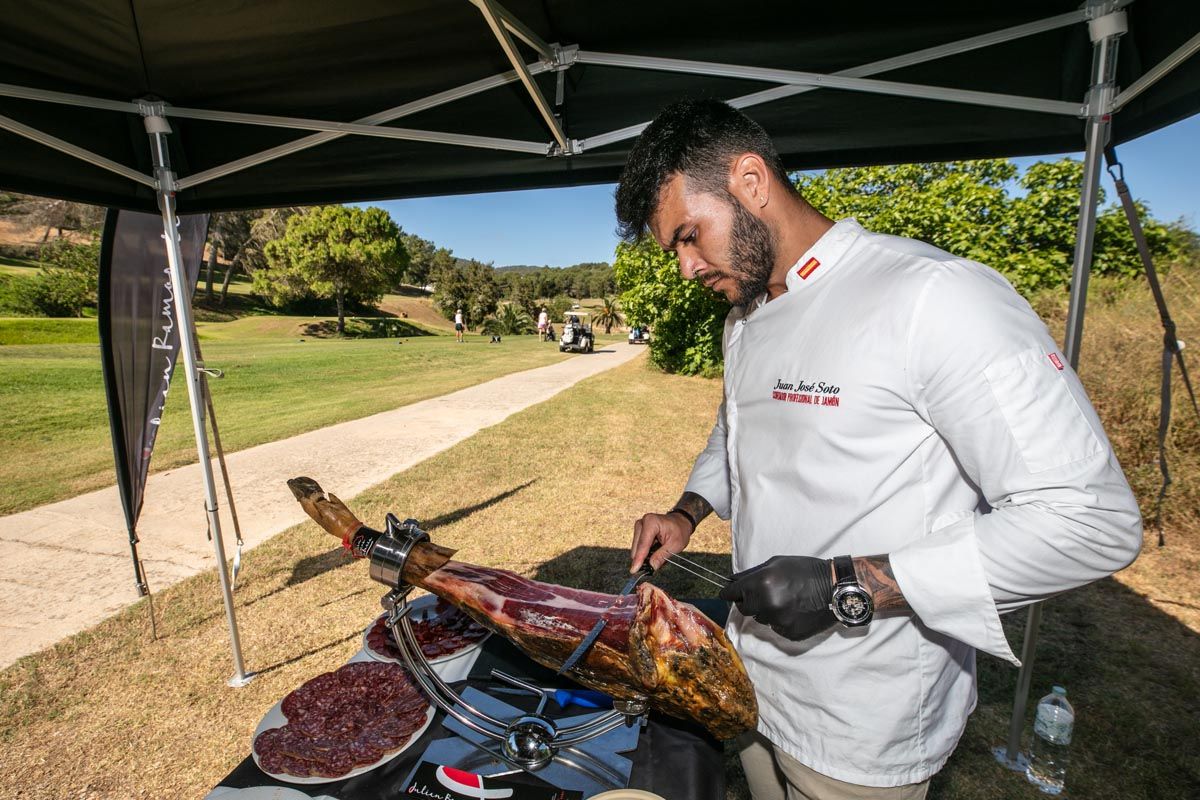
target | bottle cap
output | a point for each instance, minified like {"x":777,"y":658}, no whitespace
{"x":1059,"y":690}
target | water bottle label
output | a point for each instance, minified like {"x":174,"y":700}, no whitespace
{"x":1054,"y":724}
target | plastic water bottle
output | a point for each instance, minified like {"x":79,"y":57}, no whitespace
{"x":1052,"y":728}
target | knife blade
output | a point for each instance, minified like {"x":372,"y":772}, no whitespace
{"x":644,"y":572}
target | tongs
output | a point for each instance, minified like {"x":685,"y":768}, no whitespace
{"x":643,"y":573}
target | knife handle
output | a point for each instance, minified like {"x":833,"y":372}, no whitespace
{"x":584,"y":698}
{"x":646,"y":570}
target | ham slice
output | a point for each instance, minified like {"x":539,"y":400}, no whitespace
{"x":653,"y":647}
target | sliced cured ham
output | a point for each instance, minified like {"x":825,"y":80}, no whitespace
{"x":653,"y":647}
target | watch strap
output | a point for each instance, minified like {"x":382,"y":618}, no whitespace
{"x":686,"y":515}
{"x":843,"y":568}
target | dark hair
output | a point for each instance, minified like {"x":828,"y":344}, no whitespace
{"x":697,"y":138}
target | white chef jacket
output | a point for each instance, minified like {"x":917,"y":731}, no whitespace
{"x":899,"y":400}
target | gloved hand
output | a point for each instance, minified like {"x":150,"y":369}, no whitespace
{"x":791,"y":594}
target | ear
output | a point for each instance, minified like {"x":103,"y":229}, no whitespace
{"x":750,"y":181}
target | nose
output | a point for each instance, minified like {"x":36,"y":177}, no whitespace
{"x":689,"y":264}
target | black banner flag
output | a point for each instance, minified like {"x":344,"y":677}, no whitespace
{"x":139,"y":341}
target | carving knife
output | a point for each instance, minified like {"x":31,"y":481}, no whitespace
{"x":644,"y":572}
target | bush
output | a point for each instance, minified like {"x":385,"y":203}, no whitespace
{"x":510,"y":320}
{"x":66,"y":283}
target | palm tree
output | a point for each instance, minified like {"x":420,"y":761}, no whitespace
{"x":608,"y":314}
{"x":509,"y":320}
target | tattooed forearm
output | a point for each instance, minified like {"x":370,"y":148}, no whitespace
{"x":693,"y":505}
{"x":875,"y":575}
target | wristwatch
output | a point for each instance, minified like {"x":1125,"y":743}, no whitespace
{"x":852,"y":604}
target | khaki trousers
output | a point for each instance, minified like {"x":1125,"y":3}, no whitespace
{"x":775,"y":775}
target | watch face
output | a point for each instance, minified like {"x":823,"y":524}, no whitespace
{"x":853,"y":606}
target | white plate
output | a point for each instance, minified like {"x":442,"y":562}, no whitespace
{"x":261,"y":793}
{"x":451,"y":667}
{"x":275,"y":718}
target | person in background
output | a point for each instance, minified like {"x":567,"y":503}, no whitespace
{"x":902,"y":451}
{"x":542,"y":320}
{"x":458,"y":324}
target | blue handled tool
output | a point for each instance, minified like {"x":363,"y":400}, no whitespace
{"x":584,"y":698}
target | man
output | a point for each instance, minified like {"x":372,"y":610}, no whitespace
{"x":542,"y":321}
{"x":458,"y":325}
{"x":898,"y":430}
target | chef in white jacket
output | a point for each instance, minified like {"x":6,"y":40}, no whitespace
{"x":903,"y":453}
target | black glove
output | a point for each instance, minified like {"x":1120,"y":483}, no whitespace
{"x":791,"y":594}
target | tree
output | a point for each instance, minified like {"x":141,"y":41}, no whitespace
{"x":466,"y":284}
{"x":964,"y":207}
{"x":421,"y":254}
{"x":228,"y":233}
{"x":556,"y":307}
{"x":687,"y":318}
{"x":609,"y":314}
{"x":60,"y":215}
{"x":509,"y":320}
{"x":339,"y":252}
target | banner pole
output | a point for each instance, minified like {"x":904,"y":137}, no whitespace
{"x":216,"y":435}
{"x":158,"y":128}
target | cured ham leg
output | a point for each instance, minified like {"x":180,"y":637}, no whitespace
{"x":652,"y":647}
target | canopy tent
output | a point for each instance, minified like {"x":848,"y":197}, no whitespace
{"x":242,"y":78}
{"x":272,"y":103}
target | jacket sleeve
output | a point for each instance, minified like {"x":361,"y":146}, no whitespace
{"x":1055,"y":509}
{"x":710,"y":474}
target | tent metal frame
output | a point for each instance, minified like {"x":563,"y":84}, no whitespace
{"x":1106,"y":22}
{"x":158,"y":128}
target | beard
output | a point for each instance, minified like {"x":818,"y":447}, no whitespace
{"x":751,"y":255}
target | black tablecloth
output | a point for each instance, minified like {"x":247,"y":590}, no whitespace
{"x":675,"y":759}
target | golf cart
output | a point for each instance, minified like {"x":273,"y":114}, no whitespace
{"x":577,"y":332}
{"x":639,"y":334}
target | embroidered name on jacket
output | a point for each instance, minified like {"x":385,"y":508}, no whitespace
{"x":809,"y":393}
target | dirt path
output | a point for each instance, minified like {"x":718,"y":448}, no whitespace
{"x":66,"y":566}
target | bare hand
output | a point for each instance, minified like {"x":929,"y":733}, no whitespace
{"x":672,"y":531}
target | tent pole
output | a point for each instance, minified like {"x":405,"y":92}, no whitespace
{"x":158,"y":128}
{"x":1105,"y":31}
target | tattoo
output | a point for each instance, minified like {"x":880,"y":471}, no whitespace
{"x":694,"y":505}
{"x":875,"y":575}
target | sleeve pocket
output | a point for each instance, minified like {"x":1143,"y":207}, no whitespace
{"x":1042,"y":413}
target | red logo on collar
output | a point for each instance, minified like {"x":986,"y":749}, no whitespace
{"x":1055,"y":361}
{"x":808,"y":268}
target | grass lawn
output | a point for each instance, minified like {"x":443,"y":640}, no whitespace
{"x":45,"y":330}
{"x":54,"y":427}
{"x":20,"y":267}
{"x":502,"y":498}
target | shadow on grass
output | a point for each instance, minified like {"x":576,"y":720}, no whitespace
{"x":307,"y":653}
{"x":1133,"y":675}
{"x":463,"y":513}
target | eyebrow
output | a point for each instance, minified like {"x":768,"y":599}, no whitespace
{"x":675,"y":236}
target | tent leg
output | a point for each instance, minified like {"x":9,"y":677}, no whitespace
{"x":158,"y":128}
{"x":1105,"y":32}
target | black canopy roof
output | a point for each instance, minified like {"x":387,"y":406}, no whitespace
{"x":343,"y":61}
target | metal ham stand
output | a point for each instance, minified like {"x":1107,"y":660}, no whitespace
{"x":531,"y":741}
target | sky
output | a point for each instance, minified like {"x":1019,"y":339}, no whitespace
{"x":560,"y":227}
